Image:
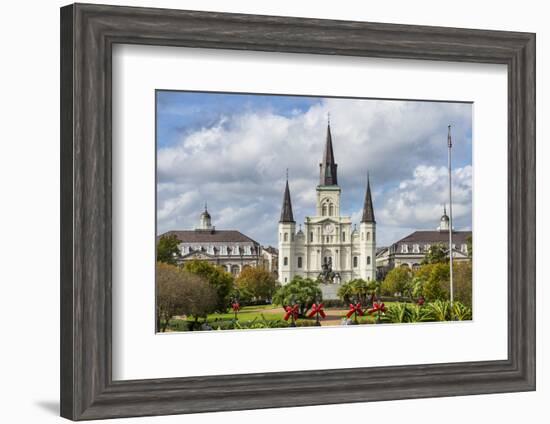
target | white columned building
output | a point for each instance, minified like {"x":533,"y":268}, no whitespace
{"x":327,"y":243}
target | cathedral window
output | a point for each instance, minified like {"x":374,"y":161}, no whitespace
{"x":331,"y":210}
{"x":368,"y":235}
{"x":368,"y":260}
{"x":292,"y":237}
{"x":285,"y":238}
{"x":355,"y":261}
{"x":324,"y":210}
{"x":343,"y":236}
{"x":299,"y":262}
{"x":362,"y":236}
{"x":311,"y":237}
{"x":285,"y":261}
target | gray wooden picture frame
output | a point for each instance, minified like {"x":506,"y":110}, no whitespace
{"x":88,"y":33}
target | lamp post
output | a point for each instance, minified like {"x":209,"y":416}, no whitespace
{"x":450,"y":146}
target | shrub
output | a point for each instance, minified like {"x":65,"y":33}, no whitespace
{"x":181,"y":293}
{"x":303,"y":291}
{"x":397,"y":313}
{"x":396,"y":281}
{"x":358,"y":290}
{"x":462,"y":282}
{"x":258,"y":282}
{"x":461,"y":312}
{"x":220,"y":280}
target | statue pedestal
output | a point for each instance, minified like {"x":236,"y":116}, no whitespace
{"x":330,"y":291}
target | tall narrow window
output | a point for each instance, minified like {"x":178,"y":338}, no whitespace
{"x":286,"y":237}
{"x":324,"y":213}
{"x":285,"y":261}
{"x":311,"y":237}
{"x":355,"y":261}
{"x":331,"y":210}
{"x":368,"y":260}
{"x":299,"y":262}
{"x":343,"y":236}
{"x":368,"y":235}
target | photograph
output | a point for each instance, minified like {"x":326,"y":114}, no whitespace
{"x":277,"y":211}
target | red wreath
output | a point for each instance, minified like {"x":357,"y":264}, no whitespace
{"x":236,"y":307}
{"x":291,"y":311}
{"x":377,"y":307}
{"x":354,"y":309}
{"x":317,"y":309}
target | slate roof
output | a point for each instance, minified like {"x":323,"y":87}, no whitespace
{"x":328,"y":167}
{"x":211,"y":236}
{"x":272,"y":250}
{"x":368,"y":211}
{"x":459,"y":237}
{"x":286,"y":210}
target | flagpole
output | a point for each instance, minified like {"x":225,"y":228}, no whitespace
{"x":450,"y":145}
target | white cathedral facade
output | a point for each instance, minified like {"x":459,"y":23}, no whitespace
{"x":328,"y":245}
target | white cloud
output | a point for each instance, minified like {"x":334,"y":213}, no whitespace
{"x":238,"y":165}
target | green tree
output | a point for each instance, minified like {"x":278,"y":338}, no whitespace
{"x":303,"y":291}
{"x":462,"y":282}
{"x":216,"y":276}
{"x":434,"y":279}
{"x":181,"y":293}
{"x":436,"y":254}
{"x":469,"y":244}
{"x":396,"y":281}
{"x":259,"y":282}
{"x":168,"y":249}
{"x":358,"y":289}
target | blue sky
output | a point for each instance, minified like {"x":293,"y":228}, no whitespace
{"x":232,"y":151}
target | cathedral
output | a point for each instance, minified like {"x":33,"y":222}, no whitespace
{"x":328,"y":247}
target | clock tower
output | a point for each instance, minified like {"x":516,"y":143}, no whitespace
{"x":328,"y":248}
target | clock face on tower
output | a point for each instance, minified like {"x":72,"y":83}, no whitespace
{"x":329,"y":228}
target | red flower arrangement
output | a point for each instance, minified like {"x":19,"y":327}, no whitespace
{"x":354,"y":309}
{"x":378,"y":308}
{"x":291,"y":311}
{"x":317,"y":308}
{"x":236,"y":307}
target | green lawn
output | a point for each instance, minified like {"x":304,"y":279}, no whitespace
{"x":273,"y":313}
{"x":248,"y":313}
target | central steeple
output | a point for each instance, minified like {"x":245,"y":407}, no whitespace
{"x":328,"y":168}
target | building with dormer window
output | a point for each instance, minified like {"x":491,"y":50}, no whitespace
{"x":410,"y":251}
{"x":230,"y":249}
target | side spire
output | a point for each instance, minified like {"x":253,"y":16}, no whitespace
{"x":286,"y":210}
{"x":368,"y":210}
{"x":328,"y":168}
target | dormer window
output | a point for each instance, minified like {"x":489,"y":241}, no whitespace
{"x":416,"y":248}
{"x":404,"y":248}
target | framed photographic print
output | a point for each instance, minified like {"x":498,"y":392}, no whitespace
{"x":264,"y":212}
